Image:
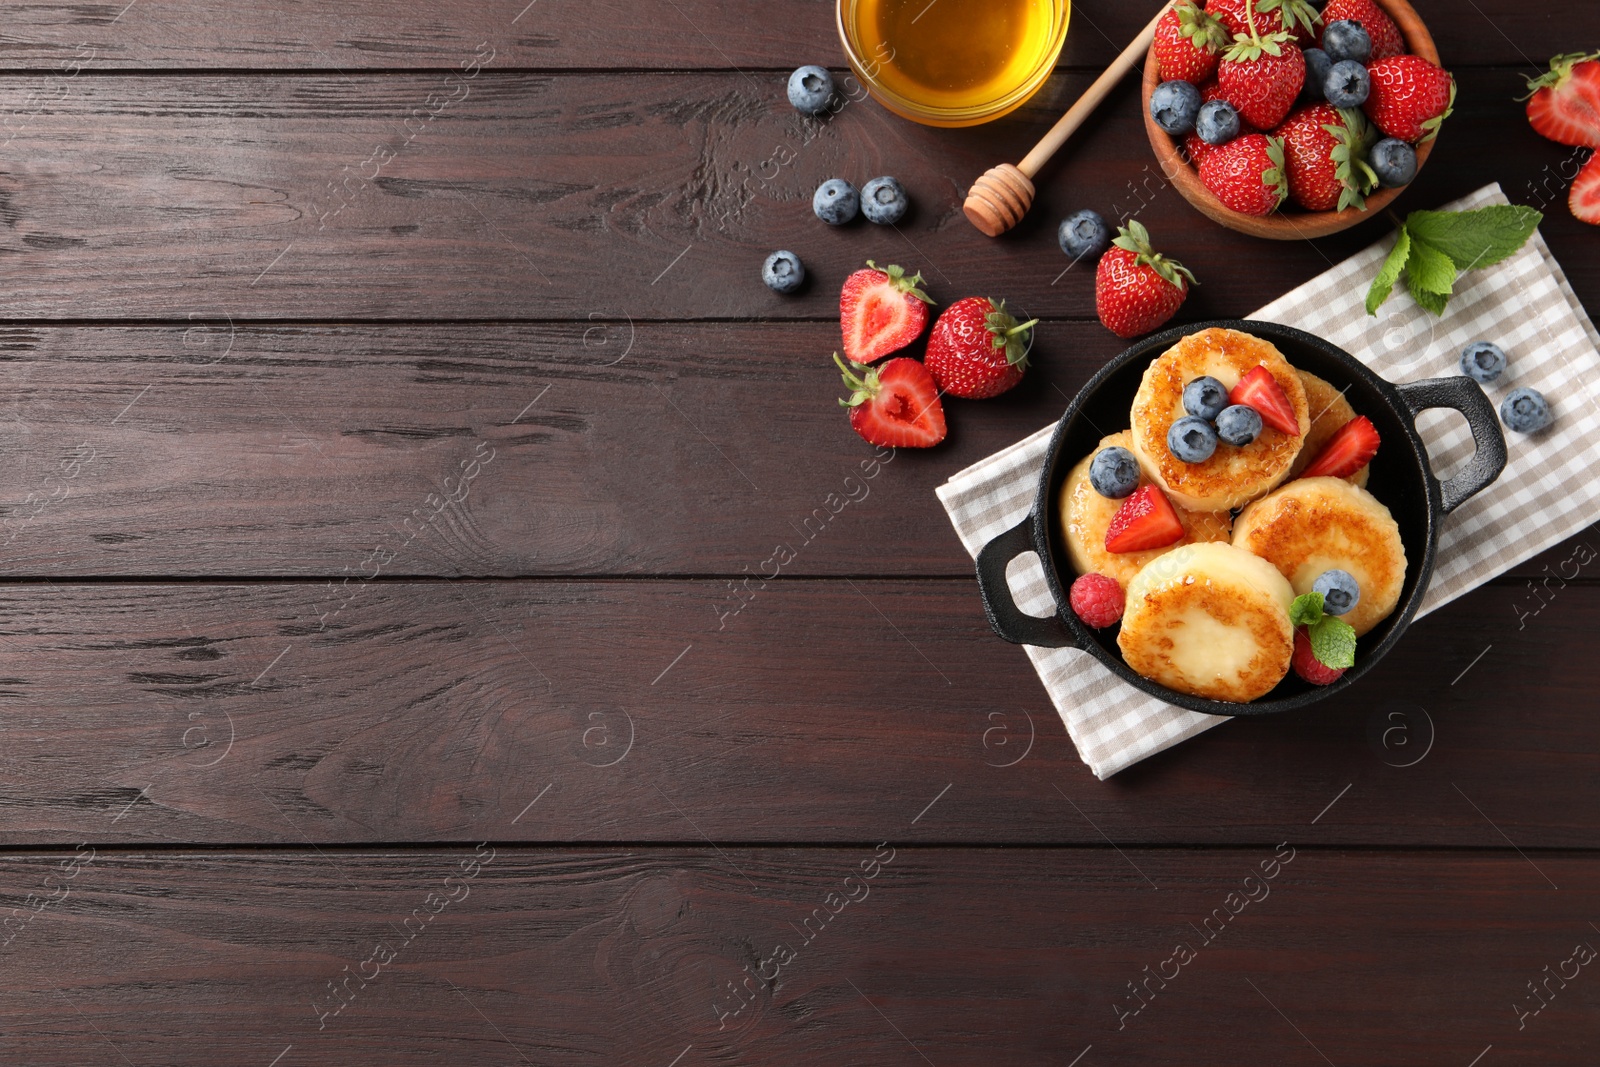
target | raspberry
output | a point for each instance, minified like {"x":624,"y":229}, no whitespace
{"x":1097,"y":600}
{"x":1307,"y":665}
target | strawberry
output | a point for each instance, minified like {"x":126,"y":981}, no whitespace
{"x":895,"y":405}
{"x":1584,"y":200}
{"x":1564,"y":103}
{"x":1270,"y":16}
{"x":1261,"y":76}
{"x":1137,"y":289}
{"x":881,"y":311}
{"x":1347,"y":451}
{"x":1324,"y":152}
{"x":1187,"y":42}
{"x":1386,"y":38}
{"x":1260,"y":390}
{"x":1145,"y":520}
{"x":1246,"y":174}
{"x":977,"y":350}
{"x":1195,"y":150}
{"x":1306,"y":664}
{"x":1410,"y":97}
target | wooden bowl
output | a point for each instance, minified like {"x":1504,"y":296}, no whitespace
{"x":1288,"y":223}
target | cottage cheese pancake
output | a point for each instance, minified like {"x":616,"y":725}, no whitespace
{"x":1329,"y":412}
{"x":1233,"y":476}
{"x":1085,"y":515}
{"x":1210,"y":620}
{"x":1316,"y":524}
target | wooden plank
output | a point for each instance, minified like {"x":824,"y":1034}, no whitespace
{"x":645,"y":711}
{"x":612,"y":449}
{"x":654,"y":196}
{"x":1295,"y":956}
{"x":609,"y":34}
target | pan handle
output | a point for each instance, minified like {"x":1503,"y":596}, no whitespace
{"x":1466,"y":396}
{"x":1009,"y":621}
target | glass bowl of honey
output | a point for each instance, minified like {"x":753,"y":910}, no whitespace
{"x":952,"y":62}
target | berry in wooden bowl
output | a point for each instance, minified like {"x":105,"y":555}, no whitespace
{"x":1301,"y":132}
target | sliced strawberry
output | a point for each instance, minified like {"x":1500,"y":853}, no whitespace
{"x":881,"y":311}
{"x":1145,"y":520}
{"x":1584,"y":200}
{"x":895,"y":405}
{"x":1260,"y":390}
{"x":1564,"y":103}
{"x":1347,"y":451}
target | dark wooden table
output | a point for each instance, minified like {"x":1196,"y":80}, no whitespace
{"x":394,"y":413}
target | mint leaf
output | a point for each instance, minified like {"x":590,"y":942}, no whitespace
{"x":1429,"y":269}
{"x":1427,"y":300}
{"x":1333,"y":642}
{"x":1475,"y":239}
{"x":1389,"y":273}
{"x":1306,"y":609}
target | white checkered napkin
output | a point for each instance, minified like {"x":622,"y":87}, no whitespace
{"x":1548,"y":492}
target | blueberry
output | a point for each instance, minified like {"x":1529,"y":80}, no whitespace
{"x":1114,"y":472}
{"x":1339,"y":589}
{"x":810,"y":90}
{"x":1217,"y":123}
{"x":1525,"y":411}
{"x":835,"y":202}
{"x":1483,"y":362}
{"x":1394,"y":162}
{"x":1239,"y":425}
{"x":1317,"y":66}
{"x":883,"y":200}
{"x":1347,"y":39}
{"x":1174,"y":106}
{"x":1347,"y":84}
{"x":1084,"y":234}
{"x":1205,"y":397}
{"x":1192,"y":440}
{"x":783,"y":272}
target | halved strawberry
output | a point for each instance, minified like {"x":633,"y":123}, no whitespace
{"x":1347,"y":451}
{"x":881,"y":311}
{"x":1145,"y":520}
{"x":895,"y":405}
{"x":1260,"y":390}
{"x":1584,"y":200}
{"x":1564,"y":103}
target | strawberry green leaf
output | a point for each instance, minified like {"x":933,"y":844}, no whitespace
{"x":1389,"y":273}
{"x":1333,"y":642}
{"x":1306,"y":609}
{"x":1560,"y":70}
{"x":1429,"y":269}
{"x":1478,"y":238}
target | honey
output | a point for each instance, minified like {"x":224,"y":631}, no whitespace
{"x":956,"y":55}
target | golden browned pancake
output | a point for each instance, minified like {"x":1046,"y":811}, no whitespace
{"x":1329,"y":412}
{"x":1085,"y":515}
{"x":1210,"y":620}
{"x":1232,"y":476}
{"x":1315,"y":524}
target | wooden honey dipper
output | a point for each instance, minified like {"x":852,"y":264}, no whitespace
{"x":998,"y":200}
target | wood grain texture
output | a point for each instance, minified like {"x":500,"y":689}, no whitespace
{"x":614,"y":449}
{"x":513,"y":196}
{"x":578,"y":956}
{"x":608,"y":35}
{"x":823,"y":711}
